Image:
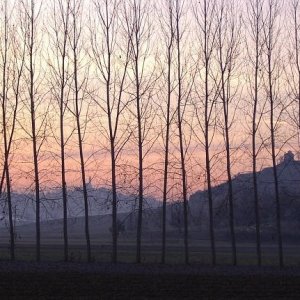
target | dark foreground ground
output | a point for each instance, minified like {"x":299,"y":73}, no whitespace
{"x":128,"y":281}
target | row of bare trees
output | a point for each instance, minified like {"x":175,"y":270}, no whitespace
{"x":190,"y":82}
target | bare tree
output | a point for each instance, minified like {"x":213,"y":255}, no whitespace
{"x":256,"y":22}
{"x":181,"y":104}
{"x":169,"y":36}
{"x":271,"y":31}
{"x":205,"y":18}
{"x":143,"y":78}
{"x":31,"y":12}
{"x":60,"y":34}
{"x":229,"y":30}
{"x":137,"y":31}
{"x":79,"y":92}
{"x":4,"y":102}
{"x":107,"y":54}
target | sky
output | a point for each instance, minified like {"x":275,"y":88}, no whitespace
{"x":92,"y":71}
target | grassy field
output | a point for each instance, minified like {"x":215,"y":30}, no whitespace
{"x":69,"y":283}
{"x":52,"y":245}
{"x":52,"y":250}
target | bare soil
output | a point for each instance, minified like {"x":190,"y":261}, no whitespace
{"x":27,"y":280}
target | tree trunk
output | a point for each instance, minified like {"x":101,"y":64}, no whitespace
{"x":33,"y":130}
{"x":5,"y":137}
{"x":180,"y":132}
{"x":62,"y":139}
{"x":168,"y":125}
{"x":270,"y":68}
{"x":207,"y":142}
{"x":82,"y":163}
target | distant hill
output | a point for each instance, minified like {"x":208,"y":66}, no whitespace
{"x":100,"y":209}
{"x":51,"y":205}
{"x":289,"y":188}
